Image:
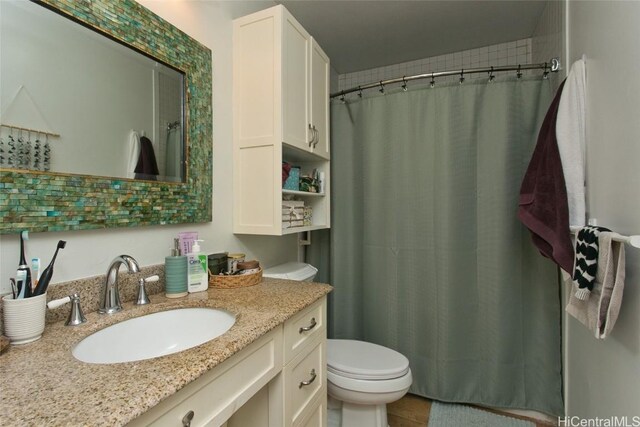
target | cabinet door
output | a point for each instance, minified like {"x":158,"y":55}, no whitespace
{"x":295,"y":83}
{"x":319,"y":88}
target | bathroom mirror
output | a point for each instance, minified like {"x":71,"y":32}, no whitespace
{"x":99,"y":95}
{"x":78,"y":147}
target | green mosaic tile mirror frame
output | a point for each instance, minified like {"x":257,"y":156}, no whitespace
{"x":54,"y":202}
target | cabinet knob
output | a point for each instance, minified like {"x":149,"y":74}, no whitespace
{"x":310,"y":380}
{"x":186,"y":420}
{"x":312,"y":325}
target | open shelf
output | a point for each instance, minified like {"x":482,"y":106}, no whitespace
{"x":303,"y":229}
{"x":302,"y":193}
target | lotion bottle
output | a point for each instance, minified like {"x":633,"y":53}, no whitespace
{"x":197,"y":269}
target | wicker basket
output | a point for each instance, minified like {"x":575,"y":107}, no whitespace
{"x":239,"y":281}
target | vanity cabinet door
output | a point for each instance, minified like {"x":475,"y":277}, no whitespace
{"x":317,"y":416}
{"x":305,"y":382}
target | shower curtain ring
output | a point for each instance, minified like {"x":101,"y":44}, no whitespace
{"x":359,"y":92}
{"x":404,"y":84}
{"x":342,"y":97}
{"x":545,"y":74}
{"x":381,"y":90}
{"x":491,"y":76}
{"x":461,"y":76}
{"x":519,"y":73}
{"x":433,"y":81}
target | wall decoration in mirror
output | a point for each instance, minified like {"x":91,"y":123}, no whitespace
{"x":106,"y":118}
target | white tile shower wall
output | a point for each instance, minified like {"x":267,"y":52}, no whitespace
{"x":549,"y":38}
{"x":515,"y":52}
{"x":169,"y":112}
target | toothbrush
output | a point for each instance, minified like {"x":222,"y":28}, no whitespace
{"x":25,"y":291}
{"x":35,"y":271}
{"x":47,"y":273}
{"x":21,"y":277}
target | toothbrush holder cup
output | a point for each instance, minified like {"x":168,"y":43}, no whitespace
{"x":24,"y":318}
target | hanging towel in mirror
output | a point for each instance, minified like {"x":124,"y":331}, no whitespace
{"x":134,"y":153}
{"x":600,"y":312}
{"x":543,"y":197}
{"x":147,"y":168}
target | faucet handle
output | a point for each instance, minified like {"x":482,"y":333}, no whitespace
{"x":143,"y":299}
{"x":76,"y":317}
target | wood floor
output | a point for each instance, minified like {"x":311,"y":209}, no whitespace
{"x":413,"y":411}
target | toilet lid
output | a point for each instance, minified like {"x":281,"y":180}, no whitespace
{"x":364,"y":360}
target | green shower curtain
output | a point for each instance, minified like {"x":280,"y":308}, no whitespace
{"x":425,"y":251}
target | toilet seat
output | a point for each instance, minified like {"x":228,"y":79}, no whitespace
{"x":361,"y":360}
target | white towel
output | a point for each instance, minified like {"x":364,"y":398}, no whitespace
{"x":600,"y":312}
{"x":134,"y":153}
{"x":570,"y":133}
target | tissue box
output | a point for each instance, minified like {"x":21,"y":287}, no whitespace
{"x":293,"y":181}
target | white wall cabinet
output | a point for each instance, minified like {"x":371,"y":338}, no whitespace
{"x":277,"y":381}
{"x":280,"y":113}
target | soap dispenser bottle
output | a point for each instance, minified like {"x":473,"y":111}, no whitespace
{"x":198,"y":271}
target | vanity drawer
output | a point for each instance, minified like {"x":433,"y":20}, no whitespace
{"x":303,"y":328}
{"x":317,"y":414}
{"x":305,"y":383}
{"x":216,"y":395}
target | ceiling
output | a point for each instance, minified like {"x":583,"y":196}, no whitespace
{"x":362,"y":34}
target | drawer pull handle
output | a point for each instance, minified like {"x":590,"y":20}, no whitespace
{"x":312,"y":379}
{"x":312,"y":325}
{"x":186,"y":420}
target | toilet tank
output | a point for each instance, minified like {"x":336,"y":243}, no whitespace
{"x":292,"y":271}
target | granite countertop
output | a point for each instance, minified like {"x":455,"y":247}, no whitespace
{"x":43,"y":384}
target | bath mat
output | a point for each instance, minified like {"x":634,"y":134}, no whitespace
{"x":453,"y":415}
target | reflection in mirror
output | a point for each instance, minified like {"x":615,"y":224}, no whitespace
{"x":76,"y":102}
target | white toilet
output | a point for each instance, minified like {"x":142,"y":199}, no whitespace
{"x":361,"y":377}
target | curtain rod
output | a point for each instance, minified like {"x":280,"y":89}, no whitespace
{"x":552,"y":66}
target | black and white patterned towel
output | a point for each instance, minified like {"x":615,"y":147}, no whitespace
{"x":586,"y":263}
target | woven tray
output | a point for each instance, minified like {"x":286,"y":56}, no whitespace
{"x":239,"y":281}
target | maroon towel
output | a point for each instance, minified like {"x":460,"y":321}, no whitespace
{"x":147,"y":165}
{"x":543,"y":207}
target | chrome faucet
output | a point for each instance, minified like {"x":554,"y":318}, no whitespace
{"x":110,"y":299}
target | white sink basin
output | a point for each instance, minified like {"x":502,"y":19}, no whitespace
{"x":154,"y":335}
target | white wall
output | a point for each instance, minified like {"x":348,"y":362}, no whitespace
{"x":89,"y":252}
{"x":603,"y":377}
